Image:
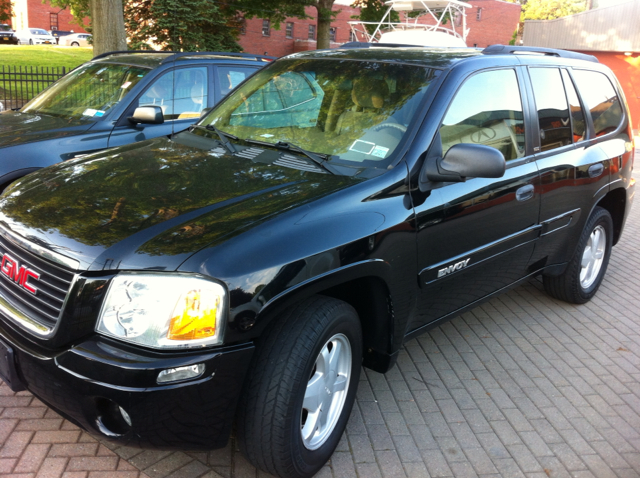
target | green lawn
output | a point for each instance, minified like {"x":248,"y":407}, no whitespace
{"x":15,"y":90}
{"x":44,"y":55}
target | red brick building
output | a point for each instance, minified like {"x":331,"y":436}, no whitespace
{"x":489,"y":21}
{"x":258,"y":36}
{"x":36,"y":14}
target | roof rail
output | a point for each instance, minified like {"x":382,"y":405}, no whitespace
{"x":221,"y":53}
{"x":127,"y":52}
{"x":362,"y":44}
{"x":173,"y":54}
{"x":505,"y":49}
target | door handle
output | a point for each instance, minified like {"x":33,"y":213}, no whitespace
{"x":596,"y":170}
{"x":525,"y":192}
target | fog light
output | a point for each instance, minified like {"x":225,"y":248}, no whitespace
{"x":125,"y":416}
{"x":181,"y":373}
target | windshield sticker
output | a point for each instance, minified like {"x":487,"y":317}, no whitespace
{"x":99,"y":113}
{"x":364,"y":147}
{"x":266,"y":135}
{"x":126,"y":85}
{"x":89,"y":112}
{"x":380,"y":151}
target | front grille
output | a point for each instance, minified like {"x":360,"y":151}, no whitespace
{"x":52,"y":287}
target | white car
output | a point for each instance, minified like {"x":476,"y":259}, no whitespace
{"x":76,"y":39}
{"x":35,"y":36}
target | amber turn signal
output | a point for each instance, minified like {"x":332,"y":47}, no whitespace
{"x":194,"y":316}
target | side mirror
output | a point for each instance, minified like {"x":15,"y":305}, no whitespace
{"x":466,"y":160}
{"x":147,"y":115}
{"x":205,"y":112}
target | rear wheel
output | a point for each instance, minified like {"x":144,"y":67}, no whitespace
{"x":75,"y":43}
{"x":301,"y":388}
{"x":30,"y":42}
{"x":584,"y":274}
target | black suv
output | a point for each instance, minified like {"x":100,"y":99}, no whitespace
{"x":94,"y":107}
{"x":7,"y":35}
{"x":335,"y":205}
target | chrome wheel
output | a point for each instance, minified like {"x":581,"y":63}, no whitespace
{"x":592,"y":257}
{"x":326,"y":392}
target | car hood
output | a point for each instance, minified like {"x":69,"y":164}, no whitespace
{"x":151,"y":205}
{"x":18,"y":128}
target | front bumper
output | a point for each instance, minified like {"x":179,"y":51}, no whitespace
{"x":91,"y":382}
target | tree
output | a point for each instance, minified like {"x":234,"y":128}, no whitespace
{"x":373,"y":11}
{"x":182,"y":25}
{"x":551,"y":9}
{"x":107,"y":22}
{"x":5,"y":10}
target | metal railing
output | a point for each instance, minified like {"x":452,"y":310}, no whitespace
{"x":18,"y":84}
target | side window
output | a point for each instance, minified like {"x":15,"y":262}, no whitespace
{"x":553,"y":110}
{"x":487,"y":110}
{"x":230,"y":76}
{"x":181,"y":94}
{"x":601,"y":99}
{"x":578,"y":124}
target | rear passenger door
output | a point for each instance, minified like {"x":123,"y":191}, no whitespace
{"x":227,"y":77}
{"x":485,"y":237}
{"x":574,"y":166}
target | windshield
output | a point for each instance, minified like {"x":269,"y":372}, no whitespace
{"x":5,"y":28}
{"x":352,"y":111}
{"x":35,"y":31}
{"x":89,"y":91}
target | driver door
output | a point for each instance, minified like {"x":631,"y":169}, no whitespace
{"x":484,"y":235}
{"x":182,"y":94}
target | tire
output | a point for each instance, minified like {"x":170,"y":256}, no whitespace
{"x":276,"y":431}
{"x":75,"y":43}
{"x":582,"y":277}
{"x":30,"y":42}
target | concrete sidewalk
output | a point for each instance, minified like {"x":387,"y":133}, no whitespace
{"x":522,"y":386}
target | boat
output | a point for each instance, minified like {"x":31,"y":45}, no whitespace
{"x":435,"y":23}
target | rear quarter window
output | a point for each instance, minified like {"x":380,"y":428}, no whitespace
{"x":601,"y":99}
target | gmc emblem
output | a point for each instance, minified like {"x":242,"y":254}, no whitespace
{"x":20,"y":275}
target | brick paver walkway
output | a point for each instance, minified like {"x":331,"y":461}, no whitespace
{"x":522,"y":386}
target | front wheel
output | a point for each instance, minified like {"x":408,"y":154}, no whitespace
{"x":580,"y":281}
{"x":30,"y":42}
{"x":75,"y":43}
{"x":301,"y":388}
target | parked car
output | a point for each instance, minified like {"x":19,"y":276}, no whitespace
{"x":35,"y":36}
{"x":7,"y":35}
{"x":76,"y":39}
{"x":335,"y":205}
{"x":92,"y":107}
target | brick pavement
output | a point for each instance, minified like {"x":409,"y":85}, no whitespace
{"x":522,"y":386}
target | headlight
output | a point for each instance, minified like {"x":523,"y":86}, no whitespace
{"x":164,"y":311}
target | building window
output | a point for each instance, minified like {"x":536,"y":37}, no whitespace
{"x":243,"y":26}
{"x":289,"y":30}
{"x":332,"y":34}
{"x":479,"y":14}
{"x":266,"y":28}
{"x":312,"y":32}
{"x":352,"y":36}
{"x":53,"y":21}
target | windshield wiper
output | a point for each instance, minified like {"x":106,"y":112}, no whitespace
{"x":318,"y":158}
{"x":222,"y":135}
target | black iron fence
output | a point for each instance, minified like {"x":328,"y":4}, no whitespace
{"x":18,"y":84}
